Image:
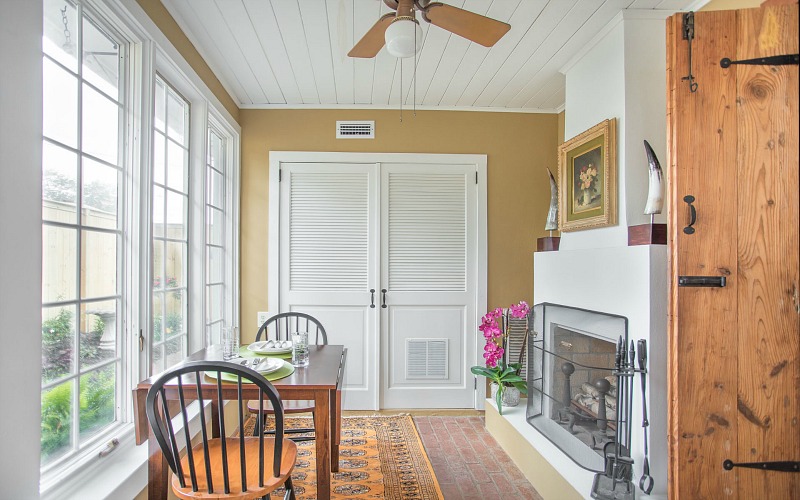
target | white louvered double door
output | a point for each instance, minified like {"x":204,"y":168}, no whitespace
{"x":408,"y":232}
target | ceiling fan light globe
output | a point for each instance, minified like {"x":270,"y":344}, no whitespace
{"x":403,"y":38}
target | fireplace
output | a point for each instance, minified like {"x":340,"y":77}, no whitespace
{"x":573,"y":396}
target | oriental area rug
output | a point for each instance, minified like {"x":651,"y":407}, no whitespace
{"x":379,"y":457}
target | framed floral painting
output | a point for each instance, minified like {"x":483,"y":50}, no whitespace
{"x":587,"y":179}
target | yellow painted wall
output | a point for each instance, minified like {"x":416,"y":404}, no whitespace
{"x":731,"y":4}
{"x":165,"y":22}
{"x":561,"y":119}
{"x":519,"y":147}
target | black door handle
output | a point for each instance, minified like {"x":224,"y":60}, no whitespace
{"x":689,"y":199}
{"x":383,"y":291}
{"x":372,"y":298}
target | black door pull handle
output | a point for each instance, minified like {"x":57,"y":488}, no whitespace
{"x":689,"y":199}
{"x":372,"y":298}
{"x":383,"y":305}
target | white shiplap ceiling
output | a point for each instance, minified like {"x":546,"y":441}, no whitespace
{"x":293,"y":53}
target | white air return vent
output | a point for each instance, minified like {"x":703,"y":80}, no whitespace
{"x":426,"y":359}
{"x":355,"y":130}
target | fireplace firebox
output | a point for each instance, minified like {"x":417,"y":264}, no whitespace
{"x":573,"y":377}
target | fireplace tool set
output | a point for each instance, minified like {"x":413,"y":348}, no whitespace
{"x":616,"y":481}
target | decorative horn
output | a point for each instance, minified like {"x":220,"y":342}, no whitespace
{"x":552,"y":214}
{"x":655,"y":194}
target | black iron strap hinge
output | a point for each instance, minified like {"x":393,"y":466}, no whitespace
{"x":783,"y":60}
{"x":785,"y":466}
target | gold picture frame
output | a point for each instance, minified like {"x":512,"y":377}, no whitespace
{"x":587,"y":179}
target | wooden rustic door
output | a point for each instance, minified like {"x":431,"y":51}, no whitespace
{"x":734,"y":386}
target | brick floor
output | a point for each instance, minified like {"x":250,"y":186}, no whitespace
{"x":468,"y":462}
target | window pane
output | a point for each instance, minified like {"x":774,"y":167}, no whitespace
{"x":215,"y":264}
{"x":176,"y":263}
{"x":60,"y":104}
{"x":59,"y":183}
{"x":177,"y":166}
{"x":158,"y":264}
{"x":98,"y":400}
{"x":58,"y":342}
{"x":215,"y":226}
{"x":158,"y":317}
{"x":100,"y":126}
{"x":56,"y":438}
{"x":215,"y":149}
{"x":159,"y":172}
{"x":213,"y":333}
{"x":176,"y":350}
{"x":176,"y":216}
{"x":60,"y":39}
{"x":98,"y":332}
{"x":158,"y":212}
{"x":175,"y":319}
{"x":100,"y":183}
{"x":160,"y":100}
{"x":100,"y":59}
{"x":215,"y":186}
{"x":176,"y":115}
{"x":98,"y":264}
{"x":216,"y":302}
{"x":157,"y":366}
{"x":59,"y":253}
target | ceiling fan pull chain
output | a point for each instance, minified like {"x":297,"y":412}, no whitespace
{"x":401,"y":90}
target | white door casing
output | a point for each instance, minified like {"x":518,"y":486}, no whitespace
{"x":333,"y":273}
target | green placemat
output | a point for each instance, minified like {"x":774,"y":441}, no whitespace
{"x":284,"y":371}
{"x":246,"y":353}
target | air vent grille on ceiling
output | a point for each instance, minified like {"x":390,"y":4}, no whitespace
{"x":355,"y":130}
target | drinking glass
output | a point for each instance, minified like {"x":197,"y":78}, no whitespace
{"x":230,"y":342}
{"x":300,"y":348}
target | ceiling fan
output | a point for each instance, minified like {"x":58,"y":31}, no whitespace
{"x":401,"y":34}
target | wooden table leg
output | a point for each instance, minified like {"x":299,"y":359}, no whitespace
{"x":322,"y":432}
{"x":157,"y":470}
{"x":336,"y":428}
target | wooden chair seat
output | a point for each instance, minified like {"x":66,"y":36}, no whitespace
{"x":271,"y":483}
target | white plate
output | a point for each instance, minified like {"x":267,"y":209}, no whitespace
{"x":269,"y":365}
{"x":261,"y":348}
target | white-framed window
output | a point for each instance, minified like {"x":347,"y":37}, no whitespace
{"x":126,"y":155}
{"x":170,"y":226}
{"x":83,"y":212}
{"x":217,"y":248}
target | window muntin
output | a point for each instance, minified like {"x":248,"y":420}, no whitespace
{"x":170,"y":223}
{"x":82,"y":192}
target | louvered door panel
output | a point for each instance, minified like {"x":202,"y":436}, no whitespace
{"x":427,"y":232}
{"x":329,"y":231}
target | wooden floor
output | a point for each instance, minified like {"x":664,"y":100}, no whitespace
{"x":466,"y":459}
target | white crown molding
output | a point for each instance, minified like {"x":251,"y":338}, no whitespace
{"x":396,"y":107}
{"x":697,"y":5}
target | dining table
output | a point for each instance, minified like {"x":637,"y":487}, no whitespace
{"x":320,"y":382}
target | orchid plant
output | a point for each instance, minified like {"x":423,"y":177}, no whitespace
{"x":494,"y":326}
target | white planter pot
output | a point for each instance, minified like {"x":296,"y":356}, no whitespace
{"x":510,"y":395}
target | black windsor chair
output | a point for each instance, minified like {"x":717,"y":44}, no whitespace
{"x":227,"y":467}
{"x":280,"y":327}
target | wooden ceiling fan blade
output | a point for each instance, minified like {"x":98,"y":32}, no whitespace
{"x":475,"y":27}
{"x":372,"y":42}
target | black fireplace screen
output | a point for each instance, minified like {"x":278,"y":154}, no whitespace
{"x":572,"y":375}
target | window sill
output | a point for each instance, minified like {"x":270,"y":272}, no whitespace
{"x":121,"y":474}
